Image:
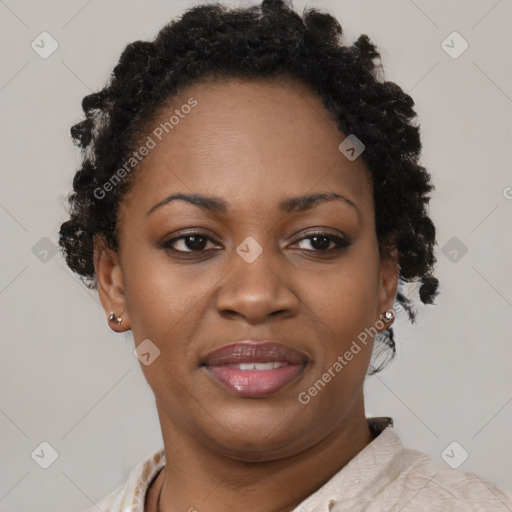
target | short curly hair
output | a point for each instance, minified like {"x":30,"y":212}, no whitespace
{"x":268,"y":41}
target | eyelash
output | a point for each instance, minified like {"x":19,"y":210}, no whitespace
{"x":341,"y":243}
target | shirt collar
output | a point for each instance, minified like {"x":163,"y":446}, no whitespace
{"x":361,"y":473}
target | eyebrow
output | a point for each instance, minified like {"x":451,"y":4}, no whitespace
{"x":288,"y":205}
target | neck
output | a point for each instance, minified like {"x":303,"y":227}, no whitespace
{"x":196,"y":479}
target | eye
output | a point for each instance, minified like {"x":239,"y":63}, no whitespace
{"x":194,"y":241}
{"x":321,"y":242}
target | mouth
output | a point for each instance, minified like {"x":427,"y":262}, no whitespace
{"x":252,"y":369}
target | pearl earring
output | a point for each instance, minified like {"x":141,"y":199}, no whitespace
{"x":389,"y":315}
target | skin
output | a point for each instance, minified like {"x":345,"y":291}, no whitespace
{"x":253,"y":144}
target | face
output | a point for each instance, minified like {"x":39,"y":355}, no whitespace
{"x":250,"y":263}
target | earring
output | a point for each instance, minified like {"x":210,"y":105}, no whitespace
{"x":114,"y":318}
{"x":389,"y":315}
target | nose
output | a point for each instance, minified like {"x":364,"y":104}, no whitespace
{"x":256,"y":291}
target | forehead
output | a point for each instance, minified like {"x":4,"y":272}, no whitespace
{"x":253,"y":141}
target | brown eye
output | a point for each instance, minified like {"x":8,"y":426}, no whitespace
{"x":191,"y":242}
{"x":321,"y":242}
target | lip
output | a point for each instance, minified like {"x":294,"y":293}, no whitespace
{"x":254,"y":383}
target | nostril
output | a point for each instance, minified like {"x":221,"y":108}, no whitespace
{"x":332,"y":504}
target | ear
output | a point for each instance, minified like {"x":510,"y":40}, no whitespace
{"x":388,"y":285}
{"x":110,"y":284}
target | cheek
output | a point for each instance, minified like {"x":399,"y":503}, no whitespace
{"x":346,"y":296}
{"x":164,"y":309}
{"x":344,"y":302}
{"x":150,"y":293}
{"x":346,"y":347}
{"x":168,"y":303}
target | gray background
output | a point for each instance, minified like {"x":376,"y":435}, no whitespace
{"x":68,"y":380}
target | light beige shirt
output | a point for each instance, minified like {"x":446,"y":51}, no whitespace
{"x":383,"y":477}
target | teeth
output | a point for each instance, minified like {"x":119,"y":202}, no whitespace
{"x":258,"y":366}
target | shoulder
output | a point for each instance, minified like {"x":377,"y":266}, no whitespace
{"x":385,"y":476}
{"x":425,"y":483}
{"x":132,"y":493}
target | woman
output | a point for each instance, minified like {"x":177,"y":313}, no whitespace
{"x":249,"y":202}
